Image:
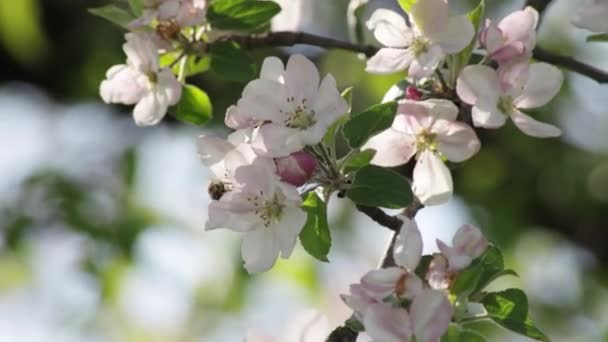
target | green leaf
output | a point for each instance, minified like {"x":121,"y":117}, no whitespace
{"x":137,"y":7}
{"x":466,"y":281}
{"x":231,"y":62}
{"x":407,"y":4}
{"x":330,"y":137}
{"x":423,"y":266}
{"x":241,"y":15}
{"x":114,"y":14}
{"x":194,"y":106}
{"x":356,"y":20}
{"x":362,"y":126}
{"x":457,"y":334}
{"x":492,"y":267}
{"x":194,"y":65}
{"x":375,"y":186}
{"x":354,"y":324}
{"x":463,"y":57}
{"x":358,"y":160}
{"x":602,"y":37}
{"x":509,"y":309}
{"x":315,"y":236}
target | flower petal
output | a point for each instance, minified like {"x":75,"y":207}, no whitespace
{"x":384,"y":323}
{"x":408,"y":245}
{"x":393,"y":148}
{"x":544,"y":82}
{"x":441,"y":109}
{"x":456,"y":140}
{"x":329,"y":105}
{"x":141,"y":52}
{"x":389,"y":28}
{"x":301,"y":79}
{"x":212,"y":150}
{"x":431,"y":313}
{"x":150,"y":109}
{"x":169,"y":85}
{"x":263,"y":100}
{"x":259,"y":250}
{"x":430,"y":16}
{"x":381,"y":283}
{"x":457,"y":35}
{"x":220,"y":216}
{"x":288,"y":228}
{"x":426,"y":63}
{"x":534,"y":128}
{"x":273,"y":70}
{"x":487,"y":115}
{"x":432,"y":180}
{"x":123,"y":84}
{"x":271,"y":140}
{"x":388,"y":60}
{"x":477,"y":82}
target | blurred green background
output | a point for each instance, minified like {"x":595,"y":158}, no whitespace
{"x":101,"y":222}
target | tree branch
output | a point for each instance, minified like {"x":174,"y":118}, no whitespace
{"x":288,"y":38}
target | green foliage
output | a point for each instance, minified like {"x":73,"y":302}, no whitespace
{"x":456,"y":334}
{"x":137,"y":7}
{"x":194,"y":64}
{"x":602,"y":37}
{"x":407,"y":4}
{"x":467,"y":280}
{"x":356,"y":21}
{"x":358,"y":160}
{"x":362,"y":126}
{"x":231,"y":62}
{"x":114,"y":14}
{"x":375,"y":186}
{"x":241,"y":15}
{"x":315,"y":236}
{"x":463,"y":57}
{"x":509,"y":309}
{"x":423,"y":266}
{"x":194,"y":106}
{"x":492,"y":266}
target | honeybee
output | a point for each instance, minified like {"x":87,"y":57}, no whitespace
{"x":217,"y":189}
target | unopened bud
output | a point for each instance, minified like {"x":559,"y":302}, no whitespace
{"x":297,"y":168}
{"x":412,"y":93}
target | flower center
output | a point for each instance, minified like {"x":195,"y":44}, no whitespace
{"x":425,"y":140}
{"x":300,"y":118}
{"x":153,"y":77}
{"x":419,"y":46}
{"x":268,"y":210}
{"x":505,"y":104}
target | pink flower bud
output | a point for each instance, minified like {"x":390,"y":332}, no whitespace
{"x":297,"y":168}
{"x":412,"y":93}
{"x":468,"y":244}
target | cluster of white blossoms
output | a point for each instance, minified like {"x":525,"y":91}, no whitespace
{"x":397,"y":304}
{"x":428,"y":129}
{"x":257,"y":170}
{"x":141,"y":81}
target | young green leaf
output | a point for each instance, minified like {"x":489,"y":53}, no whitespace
{"x":492,"y":267}
{"x":114,"y":14}
{"x":407,"y":4}
{"x":375,"y":186}
{"x":315,"y":236}
{"x":463,"y":57}
{"x":241,"y":15}
{"x":231,"y":62}
{"x":194,"y":106}
{"x":358,"y":160}
{"x":466,"y":281}
{"x":509,"y":309}
{"x":362,"y":126}
{"x":602,"y":37}
{"x":456,"y":334}
{"x":137,"y":7}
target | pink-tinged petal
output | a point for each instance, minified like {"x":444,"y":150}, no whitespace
{"x":513,"y":77}
{"x":469,"y":240}
{"x":301,"y":79}
{"x":408,"y":245}
{"x":221,"y":217}
{"x":123,"y":85}
{"x":271,"y":140}
{"x":438,"y":276}
{"x":456,"y":261}
{"x":477,"y":82}
{"x":457,"y":141}
{"x":253,"y":176}
{"x":264,"y":100}
{"x":389,"y":60}
{"x":381,"y":283}
{"x":412,"y":117}
{"x":408,"y":286}
{"x":169,"y":85}
{"x":260,"y":250}
{"x":431,"y":313}
{"x":393,"y":148}
{"x":430,"y":16}
{"x":458,"y":34}
{"x":441,"y":109}
{"x":534,"y":128}
{"x":297,"y":168}
{"x":141,"y":52}
{"x":239,"y":118}
{"x":358,"y":300}
{"x":212,"y":149}
{"x":389,"y":28}
{"x":150,"y":109}
{"x":509,"y":52}
{"x":168,"y":9}
{"x":492,"y":38}
{"x":520,"y":25}
{"x":487,"y":115}
{"x":432,"y":180}
{"x":384,"y":323}
{"x":592,"y":16}
{"x":288,"y":228}
{"x":240,"y":136}
{"x":273,"y":70}
{"x":425,"y":64}
{"x":544,"y":82}
{"x":329,"y":105}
